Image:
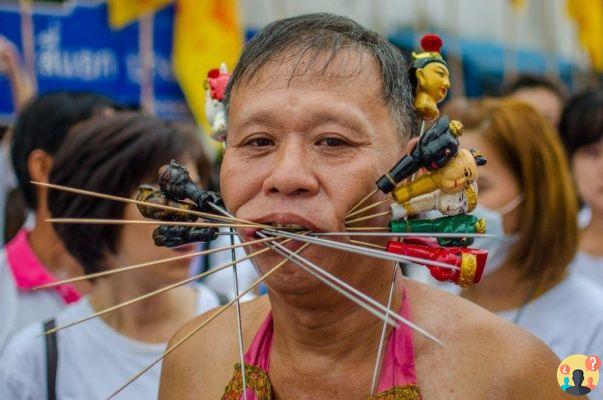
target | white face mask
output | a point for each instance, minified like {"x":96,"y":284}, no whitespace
{"x":500,"y":246}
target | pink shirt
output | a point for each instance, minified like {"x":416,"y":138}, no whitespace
{"x":29,"y":272}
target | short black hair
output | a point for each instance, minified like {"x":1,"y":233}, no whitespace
{"x":312,"y":34}
{"x":532,"y":81}
{"x":581,"y":122}
{"x":112,"y":155}
{"x":44,"y":124}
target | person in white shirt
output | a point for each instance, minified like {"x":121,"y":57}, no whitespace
{"x":581,"y":130}
{"x":112,"y":155}
{"x":528,"y":200}
{"x":37,"y":256}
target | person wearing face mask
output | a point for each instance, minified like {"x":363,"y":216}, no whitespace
{"x":581,"y":130}
{"x":527,"y":198}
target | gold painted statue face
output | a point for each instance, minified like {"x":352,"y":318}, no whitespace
{"x":434,"y":81}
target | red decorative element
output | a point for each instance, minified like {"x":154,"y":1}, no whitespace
{"x":432,"y":42}
{"x":428,"y":249}
{"x":217,"y":83}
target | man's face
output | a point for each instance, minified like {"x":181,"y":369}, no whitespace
{"x":304,"y":151}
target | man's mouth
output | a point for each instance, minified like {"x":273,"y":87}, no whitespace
{"x":289,"y":223}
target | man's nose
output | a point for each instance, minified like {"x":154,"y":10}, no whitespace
{"x":292,"y":172}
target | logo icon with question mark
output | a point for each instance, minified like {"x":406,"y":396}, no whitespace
{"x":578,"y":374}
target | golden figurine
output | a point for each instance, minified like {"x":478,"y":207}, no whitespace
{"x":430,"y":77}
{"x":457,"y":174}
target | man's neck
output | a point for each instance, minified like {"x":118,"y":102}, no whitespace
{"x":331,"y":328}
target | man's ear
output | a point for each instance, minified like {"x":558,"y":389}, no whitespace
{"x":39,"y":164}
{"x":411,"y":145}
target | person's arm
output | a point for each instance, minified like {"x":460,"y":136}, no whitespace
{"x":22,"y":88}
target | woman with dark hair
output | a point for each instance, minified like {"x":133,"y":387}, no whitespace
{"x":111,"y":155}
{"x":36,"y":256}
{"x":581,"y":130}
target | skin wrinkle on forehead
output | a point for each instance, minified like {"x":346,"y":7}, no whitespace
{"x":320,"y":67}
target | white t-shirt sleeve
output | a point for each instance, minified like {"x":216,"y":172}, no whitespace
{"x":22,"y":366}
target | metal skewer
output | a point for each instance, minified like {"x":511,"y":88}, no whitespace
{"x":404,"y":234}
{"x":321,"y":274}
{"x":384,"y":255}
{"x":377,"y":370}
{"x":204,"y":323}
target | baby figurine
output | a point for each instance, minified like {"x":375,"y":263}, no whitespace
{"x":462,"y":202}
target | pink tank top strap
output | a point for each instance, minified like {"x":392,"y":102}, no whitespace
{"x":258,"y":353}
{"x":398,"y":367}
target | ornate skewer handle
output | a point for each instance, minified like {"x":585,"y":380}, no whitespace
{"x":435,"y":148}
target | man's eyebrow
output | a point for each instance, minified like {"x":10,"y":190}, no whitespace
{"x":313,"y":119}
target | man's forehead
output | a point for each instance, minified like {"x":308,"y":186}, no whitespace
{"x":345,"y":68}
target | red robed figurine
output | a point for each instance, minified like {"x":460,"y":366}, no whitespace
{"x":470,"y":261}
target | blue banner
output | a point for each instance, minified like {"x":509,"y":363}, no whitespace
{"x":76,"y":50}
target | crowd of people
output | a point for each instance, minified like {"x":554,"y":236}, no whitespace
{"x":541,"y":194}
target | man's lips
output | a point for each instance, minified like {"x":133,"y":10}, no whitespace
{"x":288,"y":220}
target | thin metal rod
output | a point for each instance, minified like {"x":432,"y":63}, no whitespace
{"x":376,"y":204}
{"x":367,"y":228}
{"x":329,"y":280}
{"x":378,"y":361}
{"x":238,"y":308}
{"x":132,"y":201}
{"x":316,"y":271}
{"x":147,"y":264}
{"x":147,"y":222}
{"x":204,"y":323}
{"x":381,"y":214}
{"x":404,"y":234}
{"x":155,"y":292}
{"x":235,"y":278}
{"x":365,"y":251}
{"x":367,"y":244}
{"x":361,"y":202}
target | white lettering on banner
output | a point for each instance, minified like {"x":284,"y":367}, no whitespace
{"x":84,"y":64}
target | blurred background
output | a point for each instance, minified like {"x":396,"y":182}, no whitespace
{"x":154,"y":54}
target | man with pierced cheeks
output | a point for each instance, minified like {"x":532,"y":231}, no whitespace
{"x":318,"y":108}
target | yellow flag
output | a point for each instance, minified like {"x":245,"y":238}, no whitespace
{"x":588,"y":15}
{"x":518,"y":4}
{"x":123,"y":12}
{"x":206,"y":33}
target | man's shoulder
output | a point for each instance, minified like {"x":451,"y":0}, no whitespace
{"x":492,"y":351}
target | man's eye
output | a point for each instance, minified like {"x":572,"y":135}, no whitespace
{"x":260,"y":142}
{"x":331,"y":142}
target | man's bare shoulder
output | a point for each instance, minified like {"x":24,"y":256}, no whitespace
{"x":205,"y":362}
{"x":493,"y":358}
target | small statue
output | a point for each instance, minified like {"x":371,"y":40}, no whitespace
{"x":458,"y":173}
{"x":450,"y":224}
{"x":470,"y":261}
{"x":429,"y":77}
{"x":435,"y":148}
{"x":215,"y":88}
{"x":176,"y":183}
{"x":175,"y":186}
{"x":147,"y":194}
{"x":462,"y":202}
{"x":174,"y":236}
